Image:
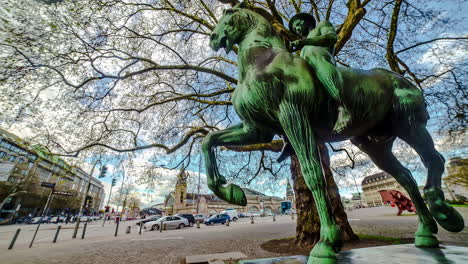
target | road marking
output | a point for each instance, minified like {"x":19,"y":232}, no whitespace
{"x":156,"y":238}
{"x":354,"y":219}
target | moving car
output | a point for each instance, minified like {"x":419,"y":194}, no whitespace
{"x":148,"y":219}
{"x":189,"y":217}
{"x":36,"y":220}
{"x":232,"y":214}
{"x":217,"y":219}
{"x":171,"y":222}
{"x":57,"y":219}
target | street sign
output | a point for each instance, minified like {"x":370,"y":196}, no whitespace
{"x":48,"y":185}
{"x":64,"y":193}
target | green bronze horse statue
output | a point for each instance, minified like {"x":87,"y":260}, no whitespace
{"x":278,"y":94}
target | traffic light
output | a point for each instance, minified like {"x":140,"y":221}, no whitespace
{"x":103,"y":172}
{"x":88,"y":202}
{"x":114,"y":181}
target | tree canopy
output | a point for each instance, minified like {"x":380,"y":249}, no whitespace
{"x":136,"y":75}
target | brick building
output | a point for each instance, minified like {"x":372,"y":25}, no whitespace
{"x":180,"y":201}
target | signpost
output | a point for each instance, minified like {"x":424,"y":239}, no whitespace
{"x":64,"y":193}
{"x":48,"y":185}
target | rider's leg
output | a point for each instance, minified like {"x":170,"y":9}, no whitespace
{"x":326,"y":71}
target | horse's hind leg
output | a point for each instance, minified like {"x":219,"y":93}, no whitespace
{"x":298,"y":129}
{"x":381,"y":154}
{"x":419,"y":138}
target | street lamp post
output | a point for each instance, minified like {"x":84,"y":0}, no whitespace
{"x":77,"y":224}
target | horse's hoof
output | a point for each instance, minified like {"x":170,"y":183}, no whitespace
{"x":233,"y":194}
{"x":444,"y":214}
{"x":322,"y":252}
{"x":316,"y":260}
{"x":426,"y":241}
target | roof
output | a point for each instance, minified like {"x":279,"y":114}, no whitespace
{"x":369,"y":178}
{"x":252,"y":192}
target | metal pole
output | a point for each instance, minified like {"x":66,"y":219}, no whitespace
{"x":121,"y":187}
{"x":117,"y":228}
{"x":198,"y":192}
{"x":14,"y":238}
{"x":108,"y":201}
{"x":84,"y":230}
{"x":77,"y":224}
{"x":57,"y":233}
{"x":43,"y":214}
{"x":161,"y":227}
{"x":141,"y":226}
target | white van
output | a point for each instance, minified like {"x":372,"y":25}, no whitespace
{"x":232,"y":214}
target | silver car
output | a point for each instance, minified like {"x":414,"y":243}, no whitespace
{"x":171,"y":222}
{"x":200,"y":217}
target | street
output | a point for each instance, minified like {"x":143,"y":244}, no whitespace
{"x":100,"y":245}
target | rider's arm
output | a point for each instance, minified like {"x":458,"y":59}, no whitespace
{"x":327,"y":37}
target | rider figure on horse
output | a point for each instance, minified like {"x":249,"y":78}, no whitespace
{"x":318,"y":49}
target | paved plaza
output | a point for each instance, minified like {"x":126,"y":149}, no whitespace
{"x":100,"y":245}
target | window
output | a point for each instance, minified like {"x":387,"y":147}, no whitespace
{"x":12,"y":158}
{"x":182,"y":197}
{"x":3,"y":154}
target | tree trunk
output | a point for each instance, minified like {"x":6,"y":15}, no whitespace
{"x":308,"y":223}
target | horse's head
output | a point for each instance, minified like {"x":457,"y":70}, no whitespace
{"x":231,"y":28}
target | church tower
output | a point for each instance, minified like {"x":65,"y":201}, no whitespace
{"x":180,"y":193}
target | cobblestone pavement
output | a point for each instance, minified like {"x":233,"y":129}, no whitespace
{"x":171,"y":246}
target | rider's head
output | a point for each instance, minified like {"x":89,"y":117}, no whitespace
{"x":301,"y":24}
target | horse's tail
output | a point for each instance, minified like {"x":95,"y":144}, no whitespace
{"x":408,"y":100}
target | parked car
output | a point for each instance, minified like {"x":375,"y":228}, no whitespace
{"x":57,"y":219}
{"x":171,"y":222}
{"x":189,"y":217}
{"x":148,"y":219}
{"x":232,"y":214}
{"x":36,"y":220}
{"x":200,"y":217}
{"x":217,"y":219}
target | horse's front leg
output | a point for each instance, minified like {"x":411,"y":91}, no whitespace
{"x":295,"y":123}
{"x":237,"y":135}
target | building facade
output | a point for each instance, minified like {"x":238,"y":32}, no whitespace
{"x":371,"y":185}
{"x":179,"y":201}
{"x":21,"y":162}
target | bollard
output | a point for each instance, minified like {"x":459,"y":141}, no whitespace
{"x":274,"y":217}
{"x":251,"y":219}
{"x":164,"y":226}
{"x":292,"y":215}
{"x":117,"y":228}
{"x":198,"y":224}
{"x":84,"y":230}
{"x":141,"y":226}
{"x":14,"y":238}
{"x":161,"y":227}
{"x":228,"y":222}
{"x":128,"y":229}
{"x":57,"y":233}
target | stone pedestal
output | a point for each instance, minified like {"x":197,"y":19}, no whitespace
{"x":403,"y":254}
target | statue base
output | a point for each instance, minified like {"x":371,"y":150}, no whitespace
{"x":406,"y":253}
